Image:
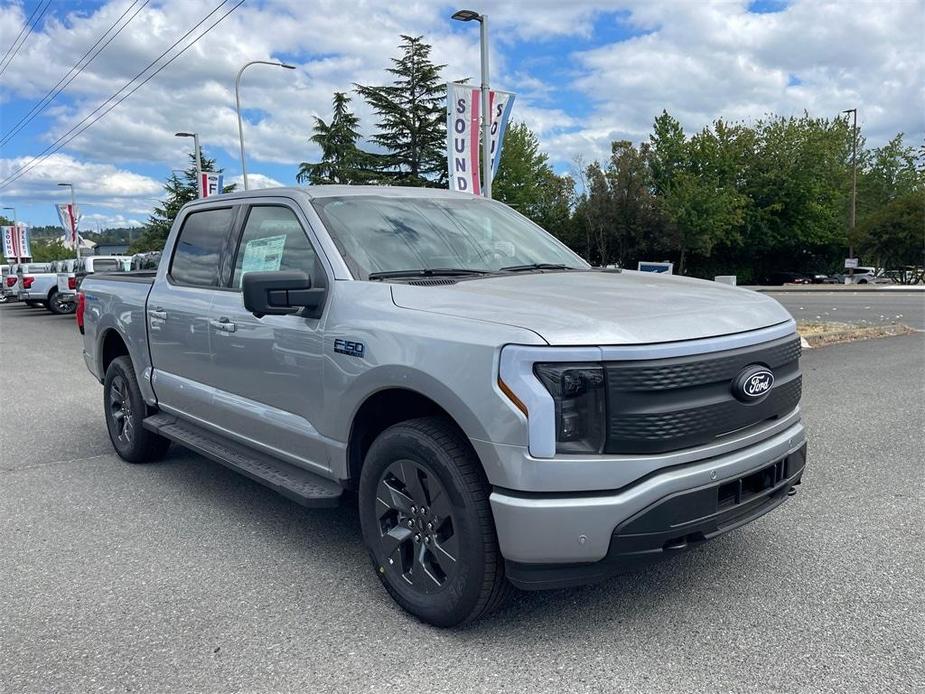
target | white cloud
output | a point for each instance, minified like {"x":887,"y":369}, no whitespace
{"x":256,"y":181}
{"x":703,"y":61}
{"x":94,"y":183}
{"x":92,"y":222}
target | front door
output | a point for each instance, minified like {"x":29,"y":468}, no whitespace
{"x":268,"y":370}
{"x":179,"y":313}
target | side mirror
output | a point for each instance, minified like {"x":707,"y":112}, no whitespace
{"x":279,"y":293}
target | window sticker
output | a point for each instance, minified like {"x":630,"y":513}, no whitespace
{"x":264,"y":255}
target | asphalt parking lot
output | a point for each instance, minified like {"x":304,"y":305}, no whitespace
{"x":864,"y":307}
{"x":183,"y":576}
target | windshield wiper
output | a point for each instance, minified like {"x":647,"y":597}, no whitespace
{"x":426,"y":272}
{"x":536,"y":266}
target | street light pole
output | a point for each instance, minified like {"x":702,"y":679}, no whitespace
{"x":237,"y":103}
{"x":15,"y":228}
{"x":198,"y":155}
{"x":74,"y":221}
{"x":468,"y":16}
{"x":854,"y":183}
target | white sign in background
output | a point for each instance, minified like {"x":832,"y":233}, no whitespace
{"x":211,"y":184}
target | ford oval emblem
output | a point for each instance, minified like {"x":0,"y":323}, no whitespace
{"x":752,"y":383}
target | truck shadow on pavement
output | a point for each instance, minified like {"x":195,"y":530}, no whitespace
{"x":329,"y":540}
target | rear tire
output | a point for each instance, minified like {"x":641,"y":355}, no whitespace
{"x":427,"y":523}
{"x":125,"y":409}
{"x":59,"y":305}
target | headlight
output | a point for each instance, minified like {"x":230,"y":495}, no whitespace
{"x":578,"y":393}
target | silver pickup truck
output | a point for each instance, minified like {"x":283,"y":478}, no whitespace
{"x":505,"y":413}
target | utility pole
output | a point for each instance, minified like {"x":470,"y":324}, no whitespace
{"x":854,"y":184}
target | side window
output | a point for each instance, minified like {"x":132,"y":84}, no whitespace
{"x":273,"y":240}
{"x":199,"y":247}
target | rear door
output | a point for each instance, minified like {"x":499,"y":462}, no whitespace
{"x":178,"y":312}
{"x":267,"y":371}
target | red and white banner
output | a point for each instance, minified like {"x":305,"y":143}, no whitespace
{"x":462,"y":137}
{"x":462,"y":133}
{"x":70,"y":218}
{"x":16,"y":242}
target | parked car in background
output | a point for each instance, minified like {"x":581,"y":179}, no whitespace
{"x":4,"y":273}
{"x":505,"y":413}
{"x":146,"y":261}
{"x":36,"y":283}
{"x":10,"y":288}
{"x":781,"y":278}
{"x":820,"y":278}
{"x":69,"y":280}
{"x":867,"y":275}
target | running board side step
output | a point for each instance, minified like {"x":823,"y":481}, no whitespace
{"x":296,"y":483}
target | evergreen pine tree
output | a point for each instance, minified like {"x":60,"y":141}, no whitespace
{"x":412,"y":118}
{"x":341,"y":160}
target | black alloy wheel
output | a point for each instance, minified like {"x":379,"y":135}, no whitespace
{"x":415,"y":521}
{"x":125,"y":410}
{"x":427,"y":523}
{"x":120,"y":410}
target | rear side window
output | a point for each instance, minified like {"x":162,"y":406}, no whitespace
{"x":199,"y":247}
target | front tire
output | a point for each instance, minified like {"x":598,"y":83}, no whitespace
{"x":125,"y":409}
{"x":427,"y":523}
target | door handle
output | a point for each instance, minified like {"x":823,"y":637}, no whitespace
{"x":223,"y":324}
{"x":158,"y":313}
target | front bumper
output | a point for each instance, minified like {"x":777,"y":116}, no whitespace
{"x":592,"y":534}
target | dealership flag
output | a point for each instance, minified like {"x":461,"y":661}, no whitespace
{"x":462,"y":133}
{"x":462,"y":137}
{"x":70,"y":218}
{"x":16,"y":242}
{"x":500,"y":104}
{"x":211,"y":184}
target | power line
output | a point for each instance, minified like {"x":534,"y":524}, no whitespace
{"x":16,"y":40}
{"x":46,"y":100}
{"x":68,"y":136}
{"x":15,"y":50}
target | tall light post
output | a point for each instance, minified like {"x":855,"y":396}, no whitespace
{"x":14,"y":227}
{"x":198,"y":154}
{"x":73,"y":219}
{"x":237,"y":102}
{"x":854,"y":183}
{"x":468,"y":16}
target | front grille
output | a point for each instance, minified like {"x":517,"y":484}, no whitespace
{"x":663,"y":405}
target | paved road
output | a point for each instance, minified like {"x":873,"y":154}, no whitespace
{"x":184,"y":576}
{"x":856,"y":307}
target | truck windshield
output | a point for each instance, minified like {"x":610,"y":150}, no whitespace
{"x":379,"y":234}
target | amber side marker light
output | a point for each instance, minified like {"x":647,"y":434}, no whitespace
{"x":513,"y":398}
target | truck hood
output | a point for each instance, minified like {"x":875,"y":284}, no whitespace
{"x":600,"y":308}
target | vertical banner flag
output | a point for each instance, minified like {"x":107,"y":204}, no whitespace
{"x":70,"y":218}
{"x":16,"y":242}
{"x":462,"y":137}
{"x":462,"y":133}
{"x":211,"y":184}
{"x":500,"y":104}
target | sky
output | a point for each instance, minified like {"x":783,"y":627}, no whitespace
{"x":585,"y":72}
